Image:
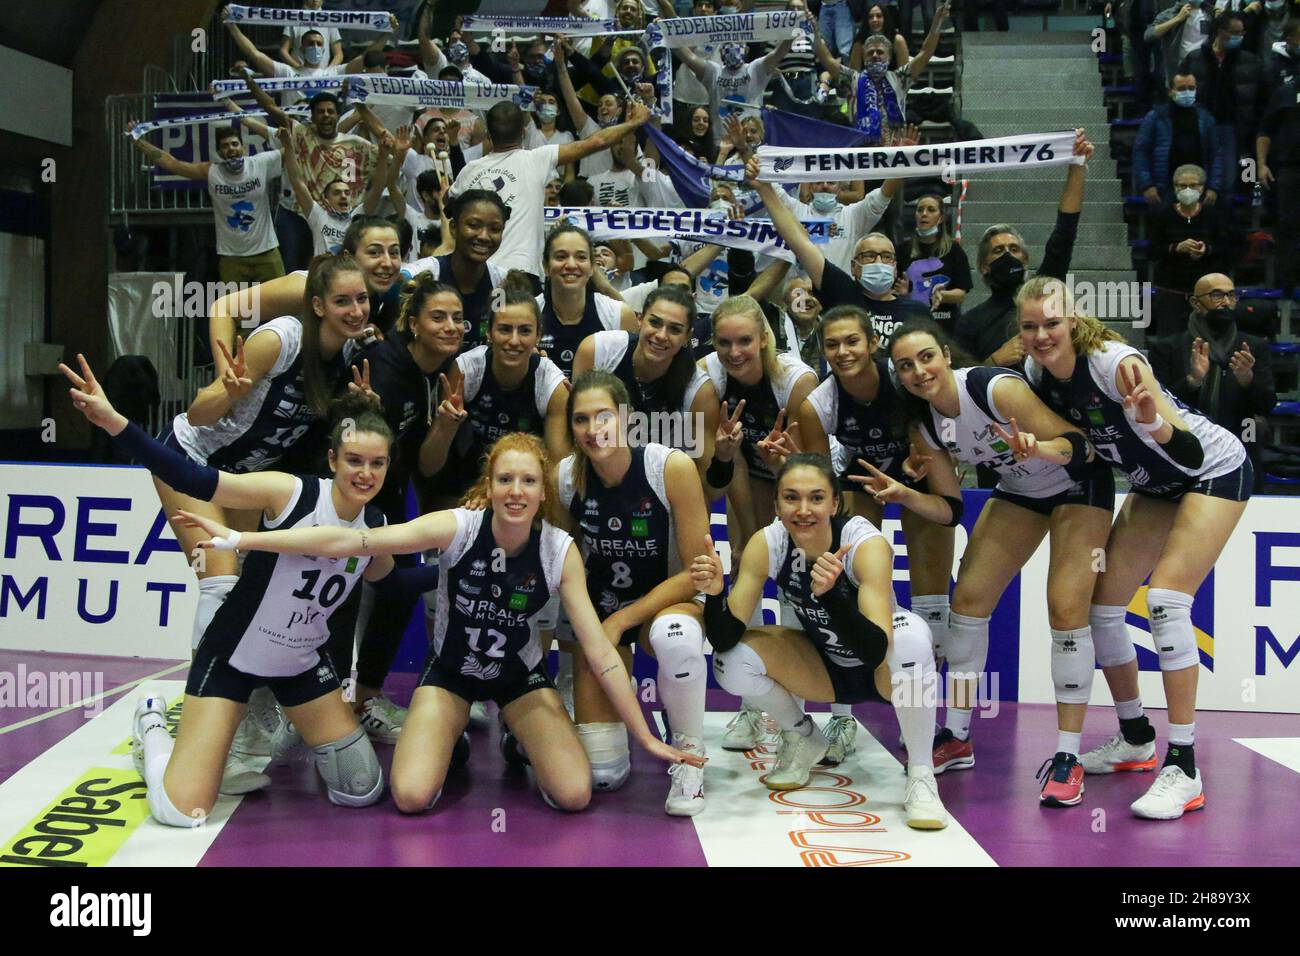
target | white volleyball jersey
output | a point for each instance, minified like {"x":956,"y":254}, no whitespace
{"x":971,"y":438}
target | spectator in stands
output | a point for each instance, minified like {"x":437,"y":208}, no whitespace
{"x":1282,"y":62}
{"x":311,"y":39}
{"x":1217,"y":369}
{"x":877,"y":94}
{"x":325,"y":48}
{"x":687,"y":88}
{"x":1180,"y":29}
{"x":1186,"y":242}
{"x":796,"y":86}
{"x":1178,"y":133}
{"x":906,"y":16}
{"x":329,"y":221}
{"x":932,"y":266}
{"x":988,"y":331}
{"x":734,"y":79}
{"x":1272,"y":27}
{"x":1133,"y":17}
{"x":324,"y":155}
{"x":698,"y":138}
{"x":1277,"y":159}
{"x":835,"y":24}
{"x":247,"y":249}
{"x":881,"y":18}
{"x":457,"y":54}
{"x":1230,"y":84}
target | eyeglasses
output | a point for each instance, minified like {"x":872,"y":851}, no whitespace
{"x":866,"y":258}
{"x":1219,"y":296}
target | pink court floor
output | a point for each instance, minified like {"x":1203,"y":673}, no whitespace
{"x":491,"y":816}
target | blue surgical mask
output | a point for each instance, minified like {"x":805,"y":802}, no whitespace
{"x":1185,"y":97}
{"x":877,"y":277}
{"x":927,"y":233}
{"x":1232,"y":43}
{"x":1275,"y":4}
{"x":825,"y":202}
{"x":313,"y":55}
{"x":728,"y":10}
{"x":535,"y":70}
{"x":547,"y":113}
{"x":234,"y":165}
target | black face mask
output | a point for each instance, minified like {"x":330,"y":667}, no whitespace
{"x":1006,"y":273}
{"x":1220,"y":319}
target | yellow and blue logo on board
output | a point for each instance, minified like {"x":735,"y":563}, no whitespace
{"x":1139,"y":615}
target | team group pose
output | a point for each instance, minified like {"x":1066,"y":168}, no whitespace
{"x":567,"y":428}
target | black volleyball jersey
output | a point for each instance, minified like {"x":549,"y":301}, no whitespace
{"x":560,"y":342}
{"x":1091,"y":400}
{"x":628,"y":544}
{"x":278,"y":614}
{"x":874,"y":431}
{"x":483,"y":625}
{"x":763,"y":402}
{"x":791,"y":569}
{"x":478,"y":304}
{"x":613,"y":354}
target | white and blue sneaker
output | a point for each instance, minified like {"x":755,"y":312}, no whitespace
{"x":141,"y":721}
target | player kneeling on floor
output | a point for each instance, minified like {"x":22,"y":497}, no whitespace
{"x":287,"y":596}
{"x":854,"y":643}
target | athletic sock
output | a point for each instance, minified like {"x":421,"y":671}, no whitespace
{"x":1182,"y":756}
{"x":783,"y":708}
{"x":958,"y":721}
{"x":841,"y":710}
{"x":1067,"y":742}
{"x":1129,"y":709}
{"x":1137,"y":730}
{"x":158,"y":746}
{"x":1184,"y":734}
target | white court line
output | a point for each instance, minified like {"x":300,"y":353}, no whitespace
{"x":82,"y":704}
{"x":1283,"y":750}
{"x":851,"y":815}
{"x":34,"y":787}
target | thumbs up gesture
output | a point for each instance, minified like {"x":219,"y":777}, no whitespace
{"x":827,"y":570}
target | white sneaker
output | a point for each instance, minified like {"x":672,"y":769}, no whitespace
{"x":253,"y":738}
{"x":841,"y":732}
{"x":143,"y":708}
{"x":478,"y":714}
{"x":240,"y":776}
{"x":686,"y":796}
{"x":287,"y":745}
{"x":925,"y":810}
{"x":1171,"y":795}
{"x":1117,"y":755}
{"x":797,"y":757}
{"x":382,"y":719}
{"x":745,"y":730}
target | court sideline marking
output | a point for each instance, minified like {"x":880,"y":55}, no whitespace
{"x":81,"y":704}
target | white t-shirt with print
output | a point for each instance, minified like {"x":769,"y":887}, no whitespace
{"x":241,"y":205}
{"x":328,"y":228}
{"x":519,"y":177}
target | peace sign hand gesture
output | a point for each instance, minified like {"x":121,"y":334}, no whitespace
{"x":827,"y":570}
{"x":1023,"y":444}
{"x":878,"y":484}
{"x":90,"y":400}
{"x":360,"y":384}
{"x":451,"y":410}
{"x":706,"y":569}
{"x":780,"y":443}
{"x":235,"y":377}
{"x":730,"y":434}
{"x":917,"y":464}
{"x":1139,"y":403}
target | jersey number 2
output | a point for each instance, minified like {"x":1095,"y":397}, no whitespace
{"x":498,"y":642}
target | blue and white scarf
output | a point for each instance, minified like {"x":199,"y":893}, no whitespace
{"x":867,"y":107}
{"x":374,"y":22}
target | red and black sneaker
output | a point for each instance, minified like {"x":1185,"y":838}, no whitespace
{"x":1063,"y":782}
{"x":949,"y":753}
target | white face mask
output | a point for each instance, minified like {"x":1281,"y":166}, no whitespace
{"x":927,"y":233}
{"x":1188,"y":195}
{"x":825,"y":202}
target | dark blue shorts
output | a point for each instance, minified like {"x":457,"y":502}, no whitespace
{"x":502,"y":690}
{"x":211,"y":675}
{"x":1234,"y":486}
{"x":1097,"y":490}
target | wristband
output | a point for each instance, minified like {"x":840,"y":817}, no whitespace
{"x":228,"y":543}
{"x":1155,"y":426}
{"x":719,"y":473}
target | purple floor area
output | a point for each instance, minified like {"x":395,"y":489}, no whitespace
{"x":493,"y":817}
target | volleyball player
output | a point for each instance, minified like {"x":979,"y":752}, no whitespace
{"x":272,"y":629}
{"x":498,"y":567}
{"x":851,"y":642}
{"x":640,"y":516}
{"x":861,"y":407}
{"x":1191,"y":481}
{"x":1049,"y":482}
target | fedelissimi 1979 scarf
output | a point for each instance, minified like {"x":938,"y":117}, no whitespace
{"x":867,"y":106}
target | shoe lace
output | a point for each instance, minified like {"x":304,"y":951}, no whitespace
{"x":839,"y":729}
{"x":1166,"y":781}
{"x":924,"y":782}
{"x":785,"y":755}
{"x":386,"y":709}
{"x":1060,"y":772}
{"x":748,"y":716}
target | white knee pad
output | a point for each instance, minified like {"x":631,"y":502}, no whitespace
{"x":911,"y":653}
{"x":165,"y":812}
{"x":741,"y":671}
{"x":350,"y":769}
{"x":678,"y":643}
{"x":1073,"y":665}
{"x":607,"y":750}
{"x":1110,"y":638}
{"x":212,"y":594}
{"x":1170,"y":613}
{"x":934,"y":610}
{"x":968,"y":645}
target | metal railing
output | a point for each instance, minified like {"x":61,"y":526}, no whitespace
{"x":130,"y":190}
